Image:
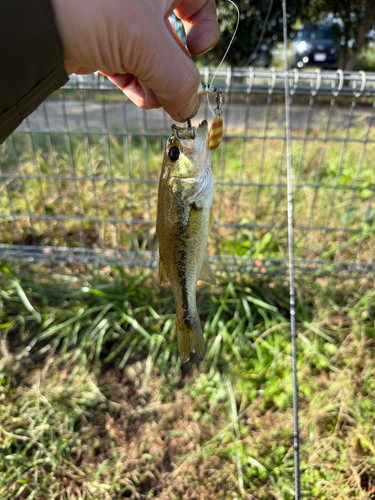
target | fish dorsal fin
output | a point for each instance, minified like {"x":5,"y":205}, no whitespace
{"x":206,"y":273}
{"x":162,"y":276}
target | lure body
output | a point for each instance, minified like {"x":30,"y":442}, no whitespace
{"x":216,"y":133}
{"x":184,"y":218}
{"x":207,"y":88}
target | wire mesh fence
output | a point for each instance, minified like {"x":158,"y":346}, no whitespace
{"x":79,"y":177}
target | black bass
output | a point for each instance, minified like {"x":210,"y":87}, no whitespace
{"x":184,"y":219}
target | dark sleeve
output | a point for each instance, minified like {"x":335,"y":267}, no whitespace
{"x":31,"y":59}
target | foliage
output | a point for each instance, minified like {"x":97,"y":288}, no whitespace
{"x":92,"y":410}
{"x":354,"y":21}
{"x":252,"y":19}
{"x":366,"y":60}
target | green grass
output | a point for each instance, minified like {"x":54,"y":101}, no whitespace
{"x":250,"y":161}
{"x":95,"y":403}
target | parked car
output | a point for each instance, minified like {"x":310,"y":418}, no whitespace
{"x":317,"y":46}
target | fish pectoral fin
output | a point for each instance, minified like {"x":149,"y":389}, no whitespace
{"x":162,"y":276}
{"x":211,"y":221}
{"x":206,"y":273}
{"x":194,"y":222}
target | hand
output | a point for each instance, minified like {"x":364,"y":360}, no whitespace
{"x":133,"y":43}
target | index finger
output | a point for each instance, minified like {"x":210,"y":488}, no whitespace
{"x":200,"y":22}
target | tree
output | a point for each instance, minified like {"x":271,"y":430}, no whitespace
{"x":253,"y":15}
{"x":354,"y":21}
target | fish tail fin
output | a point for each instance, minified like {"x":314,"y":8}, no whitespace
{"x":190,"y":338}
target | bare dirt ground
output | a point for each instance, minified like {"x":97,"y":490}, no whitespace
{"x":96,"y":117}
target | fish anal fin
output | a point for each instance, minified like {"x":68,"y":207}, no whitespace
{"x":206,"y":273}
{"x":162,"y":276}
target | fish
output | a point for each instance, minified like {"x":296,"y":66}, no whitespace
{"x":184,"y":219}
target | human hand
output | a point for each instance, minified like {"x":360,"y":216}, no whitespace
{"x":133,"y":43}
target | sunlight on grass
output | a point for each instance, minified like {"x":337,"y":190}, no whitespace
{"x":95,"y":403}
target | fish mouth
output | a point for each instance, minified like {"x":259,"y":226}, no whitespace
{"x":183,"y":132}
{"x":202,"y":129}
{"x":191,"y":132}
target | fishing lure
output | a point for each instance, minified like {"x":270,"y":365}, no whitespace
{"x":216,"y":132}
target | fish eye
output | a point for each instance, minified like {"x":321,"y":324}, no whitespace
{"x":174,"y":154}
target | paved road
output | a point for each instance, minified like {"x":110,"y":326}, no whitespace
{"x":78,"y":117}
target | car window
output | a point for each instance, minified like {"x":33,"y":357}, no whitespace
{"x":315,"y":33}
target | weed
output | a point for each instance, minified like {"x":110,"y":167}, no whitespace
{"x":95,"y":403}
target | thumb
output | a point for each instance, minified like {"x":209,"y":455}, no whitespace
{"x":170,"y":74}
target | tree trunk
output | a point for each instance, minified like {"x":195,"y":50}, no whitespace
{"x":351,"y":62}
{"x":345,"y":8}
{"x":361,"y":36}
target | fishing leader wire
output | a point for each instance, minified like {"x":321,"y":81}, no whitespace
{"x":297,"y":482}
{"x":226,"y":52}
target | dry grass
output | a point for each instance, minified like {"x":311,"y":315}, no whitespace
{"x":319,"y":166}
{"x":94,"y":406}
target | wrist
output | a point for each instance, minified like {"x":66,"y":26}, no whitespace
{"x":66,"y":11}
{"x":62,"y":27}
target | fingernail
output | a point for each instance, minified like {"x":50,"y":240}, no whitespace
{"x":206,"y":50}
{"x":190,"y":111}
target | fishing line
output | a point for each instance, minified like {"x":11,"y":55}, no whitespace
{"x":261,"y":34}
{"x":226,"y":52}
{"x":291,"y":260}
{"x":231,"y":41}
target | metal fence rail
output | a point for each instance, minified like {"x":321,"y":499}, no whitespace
{"x":78,"y":178}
